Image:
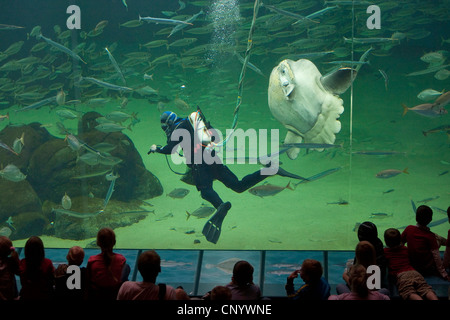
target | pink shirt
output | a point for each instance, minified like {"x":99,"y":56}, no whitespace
{"x":373,"y":295}
{"x":131,"y":290}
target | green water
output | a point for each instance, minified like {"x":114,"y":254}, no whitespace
{"x":319,"y":215}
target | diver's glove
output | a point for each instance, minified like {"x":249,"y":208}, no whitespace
{"x":153,"y":149}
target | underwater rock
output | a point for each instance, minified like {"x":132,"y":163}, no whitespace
{"x":34,"y":136}
{"x":86,"y":217}
{"x":55,"y":169}
{"x":17,"y":197}
{"x":27,"y":224}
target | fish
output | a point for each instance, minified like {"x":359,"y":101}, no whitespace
{"x":428,"y":199}
{"x":6,"y":147}
{"x":60,"y":47}
{"x":182,"y":26}
{"x":178,"y":193}
{"x":61,"y":98}
{"x":147,"y":76}
{"x":106,"y":85}
{"x":385,"y":77}
{"x":90,"y":175}
{"x":268,"y":190}
{"x":162,"y":20}
{"x":9,"y":27}
{"x":389,"y":173}
{"x":4,"y":116}
{"x":249,"y":64}
{"x":119,"y":116}
{"x":38,"y":104}
{"x":388,"y":191}
{"x":340,"y":202}
{"x":12,"y":173}
{"x":369,"y":40}
{"x":428,"y":70}
{"x":378,"y":152}
{"x":82,"y":215}
{"x":111,"y":127}
{"x":319,"y":175}
{"x":286,"y":13}
{"x":202,"y":212}
{"x":111,"y":176}
{"x":429,"y":94}
{"x":380,"y":215}
{"x":125,"y":4}
{"x":429,"y":110}
{"x":443,"y":128}
{"x":442,"y":74}
{"x":5,"y":231}
{"x":115,"y":65}
{"x":443,"y":99}
{"x":66,"y":202}
{"x":67,"y":114}
{"x":434,"y":58}
{"x":131,"y":24}
{"x":19,"y":143}
{"x":109,"y":193}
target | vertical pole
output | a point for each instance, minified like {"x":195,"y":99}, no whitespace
{"x":325,"y":265}
{"x":262,"y":270}
{"x":198,"y":272}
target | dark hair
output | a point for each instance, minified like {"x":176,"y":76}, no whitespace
{"x":313,"y":269}
{"x":424,"y":215}
{"x":221,"y":293}
{"x":5,"y":246}
{"x":106,"y":239}
{"x":149,"y":265}
{"x":243,"y":273}
{"x":365,"y":254}
{"x":34,"y":255}
{"x":392,"y":237}
{"x":367,"y":231}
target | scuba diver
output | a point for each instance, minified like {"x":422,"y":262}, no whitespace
{"x":205,"y":165}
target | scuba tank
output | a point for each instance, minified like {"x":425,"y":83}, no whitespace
{"x":202,"y":131}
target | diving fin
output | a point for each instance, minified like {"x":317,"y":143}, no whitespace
{"x":212,"y":228}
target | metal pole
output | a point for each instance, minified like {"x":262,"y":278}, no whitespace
{"x":198,"y":272}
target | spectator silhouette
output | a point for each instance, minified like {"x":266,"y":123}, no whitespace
{"x":315,"y":286}
{"x":36,"y":272}
{"x":149,"y":266}
{"x":75,"y":257}
{"x":9,"y":267}
{"x":107,"y":270}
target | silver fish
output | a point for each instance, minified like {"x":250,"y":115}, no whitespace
{"x":12,"y":173}
{"x":162,"y":20}
{"x":60,"y":47}
{"x":389,"y":173}
{"x":182,"y":26}
{"x":202,"y":212}
{"x":268,"y":190}
{"x":109,"y":193}
{"x":106,"y":85}
{"x":178,"y":193}
{"x":110,"y":127}
{"x":19,"y":143}
{"x":116,"y":66}
{"x":38,"y":104}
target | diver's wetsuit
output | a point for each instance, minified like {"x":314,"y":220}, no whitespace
{"x":203,"y":173}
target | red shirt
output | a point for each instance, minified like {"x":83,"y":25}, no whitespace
{"x":421,"y":242}
{"x":39,"y":287}
{"x":105,"y":280}
{"x":398,"y":260}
